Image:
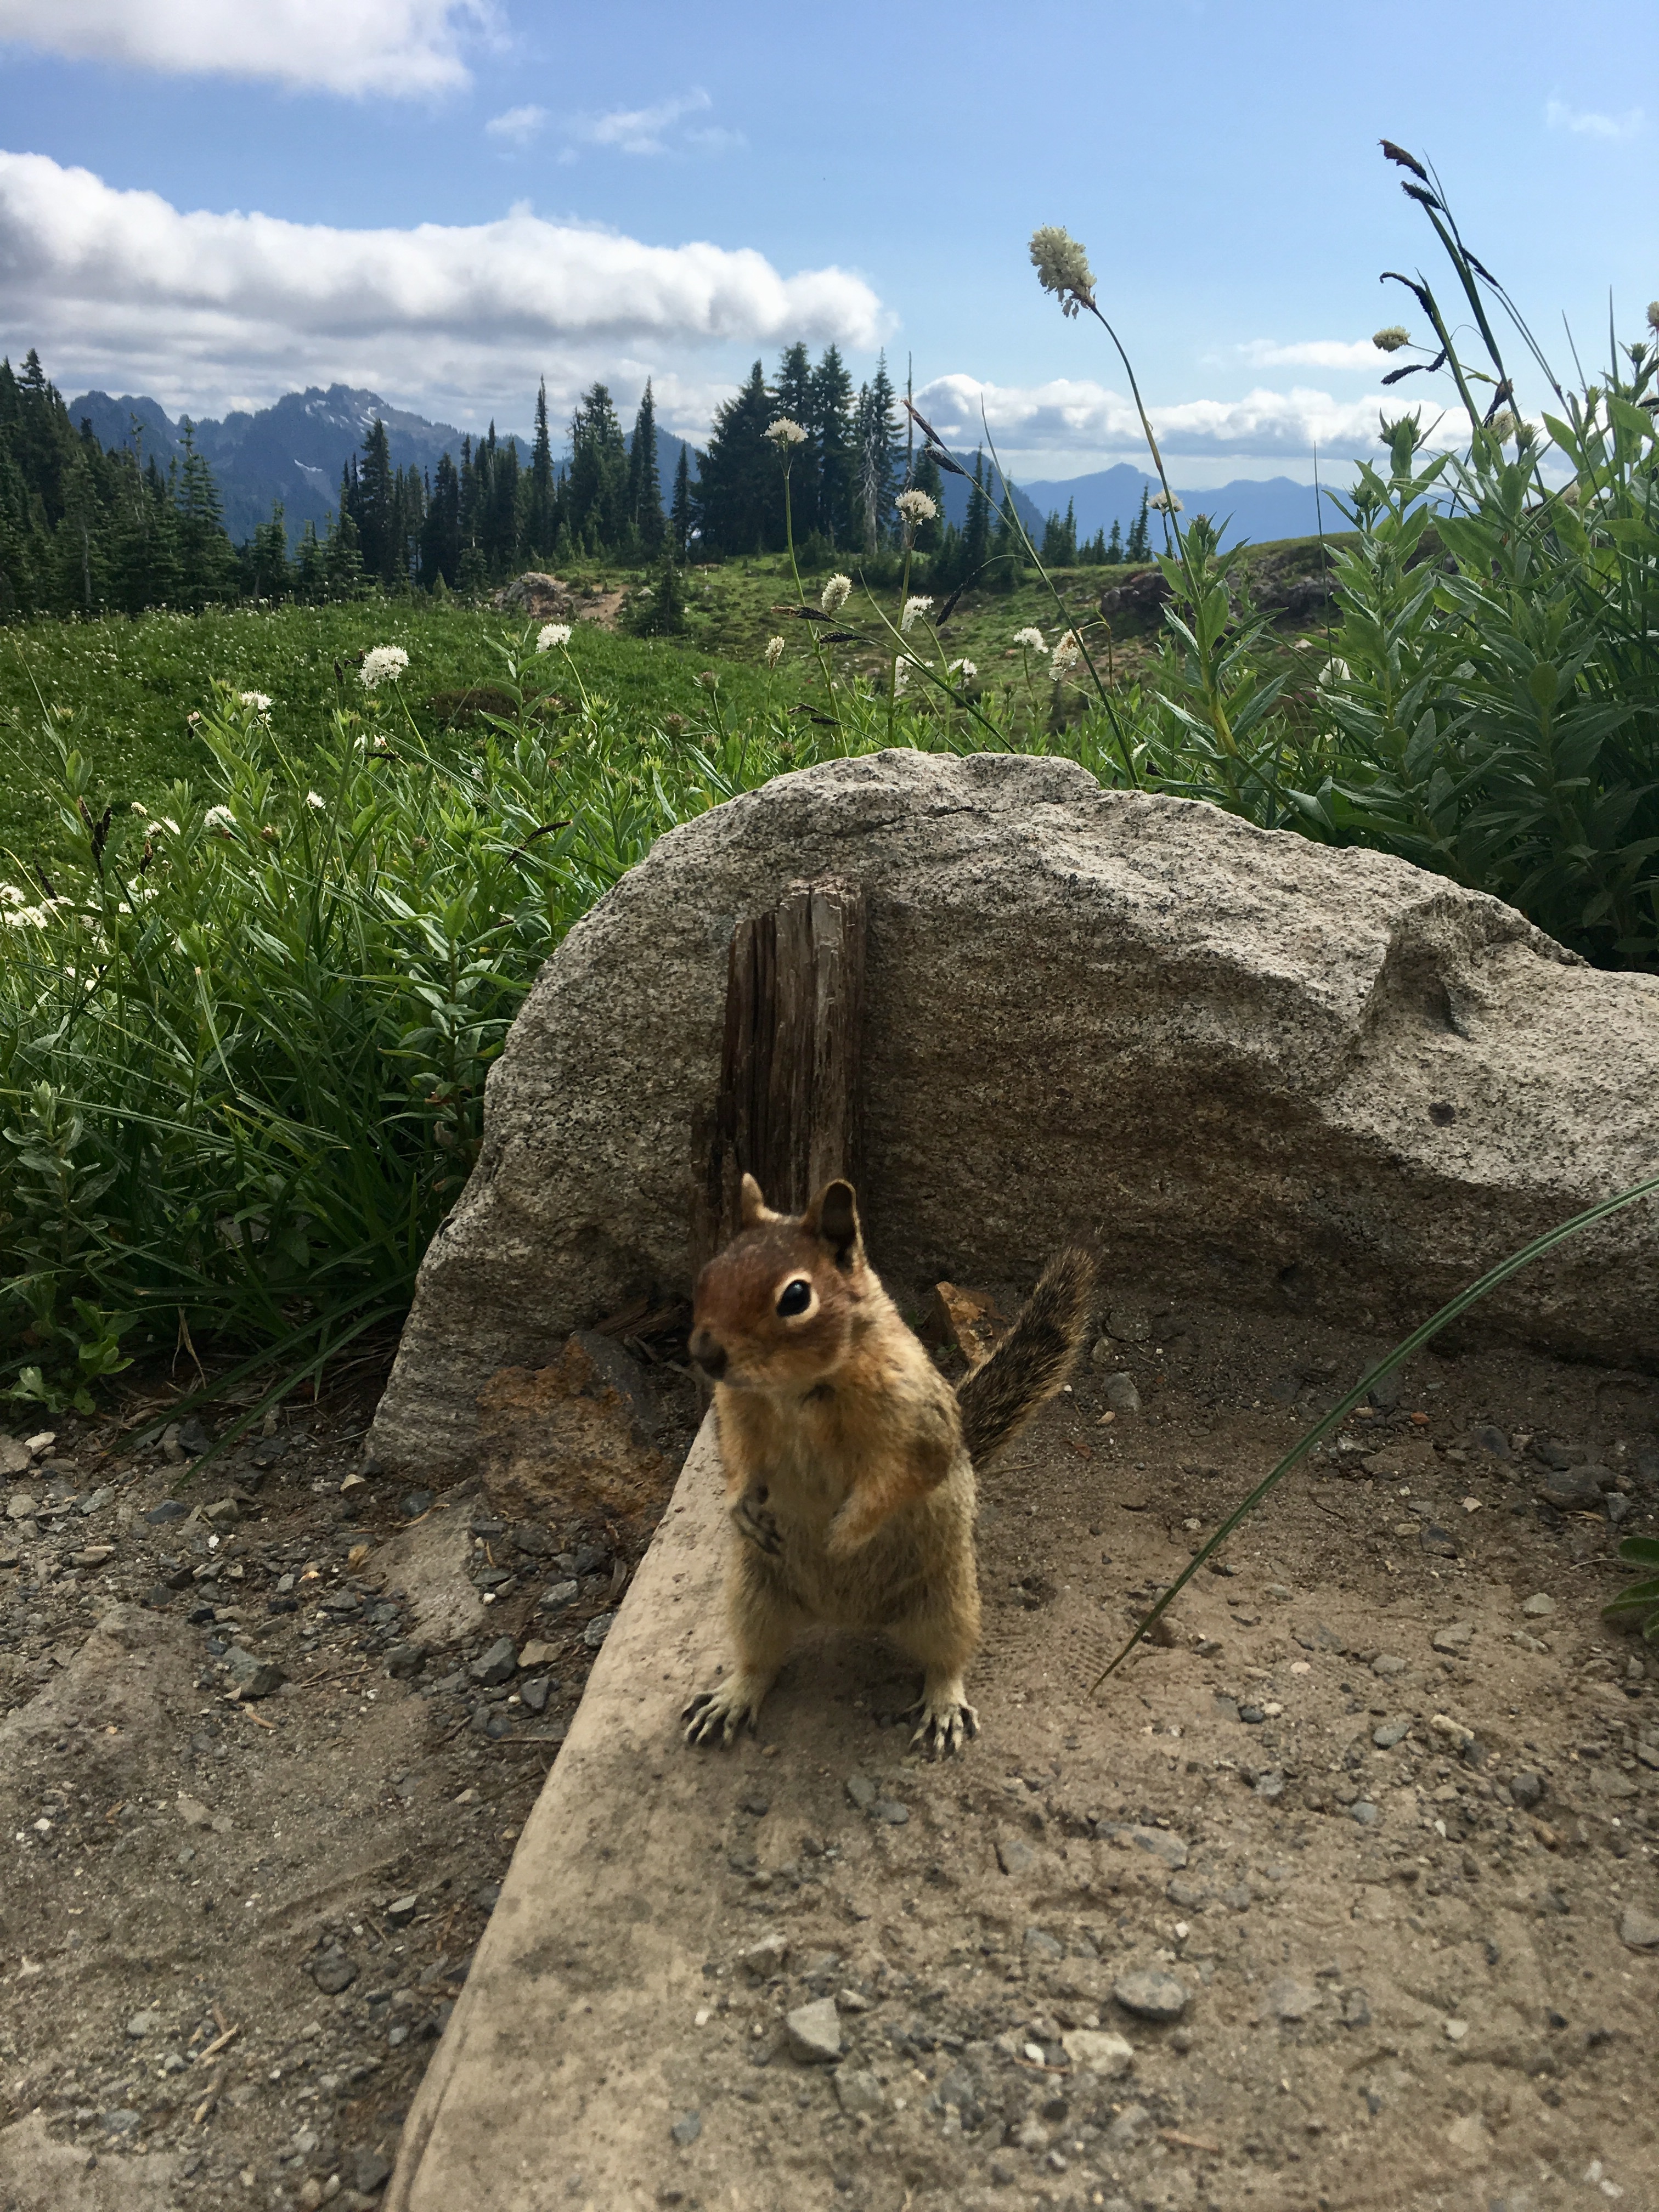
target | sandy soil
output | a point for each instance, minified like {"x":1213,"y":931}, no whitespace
{"x":1398,"y":1985}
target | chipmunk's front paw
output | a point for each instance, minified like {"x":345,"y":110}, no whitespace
{"x":756,"y":1524}
{"x":945,"y":1719}
{"x":721,"y":1712}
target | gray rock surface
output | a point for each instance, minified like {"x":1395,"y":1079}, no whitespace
{"x":1262,"y":1023}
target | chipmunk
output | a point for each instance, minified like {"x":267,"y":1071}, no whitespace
{"x":849,"y":1458}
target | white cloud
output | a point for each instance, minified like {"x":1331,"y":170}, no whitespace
{"x":403,"y":47}
{"x":198,"y":308}
{"x":1586,"y":123}
{"x":1070,"y":416}
{"x":519,"y":125}
{"x":643,"y":130}
{"x":1312,"y":353}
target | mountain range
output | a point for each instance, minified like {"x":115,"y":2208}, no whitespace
{"x":294,"y":450}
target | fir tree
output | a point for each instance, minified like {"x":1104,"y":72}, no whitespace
{"x":739,"y":497}
{"x":440,"y":531}
{"x":681,"y":515}
{"x":645,"y":512}
{"x":596,"y":489}
{"x":268,"y":557}
{"x":541,"y":520}
{"x":830,"y":426}
{"x":1139,"y":546}
{"x":205,"y":556}
{"x":343,"y":560}
{"x":976,"y":529}
{"x":875,"y":437}
{"x":310,"y":568}
{"x":371,"y":506}
{"x":1115,"y":544}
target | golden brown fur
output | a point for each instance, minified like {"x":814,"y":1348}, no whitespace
{"x":852,"y":1490}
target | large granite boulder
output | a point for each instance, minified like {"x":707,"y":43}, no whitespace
{"x":1247,"y":1063}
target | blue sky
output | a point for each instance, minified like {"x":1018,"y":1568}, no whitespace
{"x":216,"y":200}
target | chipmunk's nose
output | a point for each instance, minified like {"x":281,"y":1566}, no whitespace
{"x":709,"y":1354}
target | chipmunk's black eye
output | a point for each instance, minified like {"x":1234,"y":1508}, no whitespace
{"x":795,"y":1298}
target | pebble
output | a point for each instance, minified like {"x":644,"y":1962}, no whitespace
{"x":861,"y":1790}
{"x":1130,"y":2124}
{"x":415,"y":1502}
{"x":194,"y":1813}
{"x":1364,"y":1813}
{"x":402,"y":1910}
{"x":1162,"y":1842}
{"x":170,"y":1509}
{"x":1391,"y":1732}
{"x":1015,"y":1855}
{"x":253,"y":1676}
{"x":1454,"y":1638}
{"x":1190,"y":1896}
{"x":764,"y":1959}
{"x":143,"y":2023}
{"x":1456,"y":2030}
{"x":890,"y":1809}
{"x":1639,"y":1930}
{"x":813,"y":2033}
{"x":1389,"y":1664}
{"x":560,"y":1595}
{"x":1099,"y":2052}
{"x":1527,"y":1789}
{"x":533,"y":1695}
{"x":535,"y":1653}
{"x":1150,"y":1994}
{"x":1120,"y":1392}
{"x":858,"y":2090}
{"x":333,"y":1970}
{"x":19,"y":1506}
{"x":372,"y":2170}
{"x":686,"y":2129}
{"x":1289,"y":1999}
{"x":1573,"y":1488}
{"x":14,"y":1457}
{"x":1041,"y":1944}
{"x":1538,"y":1607}
{"x":597,"y":1629}
{"x":498,"y":1664}
{"x":1437,"y":1540}
{"x":93,"y":1502}
{"x":1252,"y":1716}
{"x":1356,"y":2009}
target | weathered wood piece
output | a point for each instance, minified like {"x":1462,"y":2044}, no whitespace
{"x":786,"y":1110}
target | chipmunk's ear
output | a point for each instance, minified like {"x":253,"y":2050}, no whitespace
{"x":834,"y":1216}
{"x":754,"y":1209}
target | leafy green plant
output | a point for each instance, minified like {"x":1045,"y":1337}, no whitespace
{"x":1640,"y":1603}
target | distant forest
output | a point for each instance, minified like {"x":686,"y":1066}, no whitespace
{"x":86,"y":529}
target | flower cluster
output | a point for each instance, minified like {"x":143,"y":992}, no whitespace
{"x":258,"y":701}
{"x":785,"y":434}
{"x":219,"y":820}
{"x":382,"y":664}
{"x":1504,"y":425}
{"x":1653,"y":314}
{"x":773,"y":652}
{"x":1391,"y":338}
{"x":1031,"y":638}
{"x":552,"y":635}
{"x":1068,"y":651}
{"x":315,"y":800}
{"x":1164,"y":502}
{"x":913,"y":608}
{"x":1062,"y":267}
{"x":21,"y":916}
{"x":916,"y":507}
{"x":835,"y":594}
{"x":962,"y":668}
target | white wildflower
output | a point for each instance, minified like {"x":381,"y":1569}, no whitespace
{"x":1164,"y":502}
{"x":785,"y":434}
{"x":140,"y":808}
{"x":315,"y":800}
{"x":258,"y":701}
{"x":835,"y":594}
{"x":709,"y":678}
{"x":1653,"y":314}
{"x":964,"y":669}
{"x":167,"y":822}
{"x":1504,"y":426}
{"x":1062,"y":267}
{"x":912,"y":608}
{"x":1032,"y":638}
{"x":382,"y":664}
{"x":1391,"y":338}
{"x":219,"y":820}
{"x":26,"y":917}
{"x":916,"y":507}
{"x":773,"y":652}
{"x":1335,"y":671}
{"x":121,"y":907}
{"x":1068,"y":651}
{"x":10,"y":895}
{"x":901,"y":685}
{"x":551,"y":635}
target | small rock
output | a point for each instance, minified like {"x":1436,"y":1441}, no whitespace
{"x":1356,"y":2009}
{"x":858,"y":2090}
{"x":194,"y":1813}
{"x":1455,"y":1637}
{"x":372,"y":2170}
{"x":1527,"y":1789}
{"x":1391,"y":1732}
{"x":1042,"y":1945}
{"x":143,"y":2023}
{"x":19,"y":1506}
{"x":253,"y":1676}
{"x":94,"y":1501}
{"x":560,"y":1595}
{"x":765,"y":1958}
{"x":1014,"y":1855}
{"x":861,"y":1790}
{"x":14,"y":1457}
{"x":333,"y":1970}
{"x":1162,"y":1844}
{"x":598,"y":1629}
{"x":1454,"y":2030}
{"x":890,"y":1809}
{"x":1495,"y":1442}
{"x":1576,"y":1489}
{"x":415,"y":1502}
{"x":1120,"y":1392}
{"x":1252,"y":1716}
{"x":535,"y":1653}
{"x":1437,"y":1540}
{"x":1098,"y":2051}
{"x":1538,"y":1607}
{"x":1150,"y":1994}
{"x":1618,"y":1507}
{"x":1639,"y":1930}
{"x":1289,"y":1999}
{"x":402,"y":1910}
{"x":1130,"y":2125}
{"x":1364,"y":1813}
{"x":170,"y":1509}
{"x":686,"y":2129}
{"x":41,"y":1442}
{"x":497,"y":1664}
{"x":1389,"y":1664}
{"x":1190,"y":1896}
{"x":533,"y":1695}
{"x":223,"y":1513}
{"x":813,"y":2033}
{"x":93,"y":1555}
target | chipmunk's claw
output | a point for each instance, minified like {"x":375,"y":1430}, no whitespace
{"x":721,"y":1712}
{"x":756,"y":1525}
{"x":945,"y":1721}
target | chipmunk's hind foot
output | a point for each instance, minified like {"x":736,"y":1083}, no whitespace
{"x":944,"y":1718}
{"x":720,"y":1713}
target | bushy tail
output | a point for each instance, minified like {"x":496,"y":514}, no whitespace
{"x":1033,"y":1359}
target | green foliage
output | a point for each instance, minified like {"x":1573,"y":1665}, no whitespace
{"x":1639,"y":1603}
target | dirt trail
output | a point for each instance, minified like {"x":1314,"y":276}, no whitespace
{"x":1389,"y":1875}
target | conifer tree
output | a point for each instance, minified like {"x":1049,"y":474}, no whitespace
{"x":1114,"y":554}
{"x":681,"y":517}
{"x":976,"y":529}
{"x":1139,"y":546}
{"x":440,"y":531}
{"x":343,"y":560}
{"x":310,"y":568}
{"x":831,"y":427}
{"x":541,"y":520}
{"x":876,"y":458}
{"x":740,"y":495}
{"x":596,"y":487}
{"x":645,"y":512}
{"x":268,"y":557}
{"x":372,"y":507}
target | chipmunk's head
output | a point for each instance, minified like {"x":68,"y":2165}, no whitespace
{"x":776,"y":1310}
